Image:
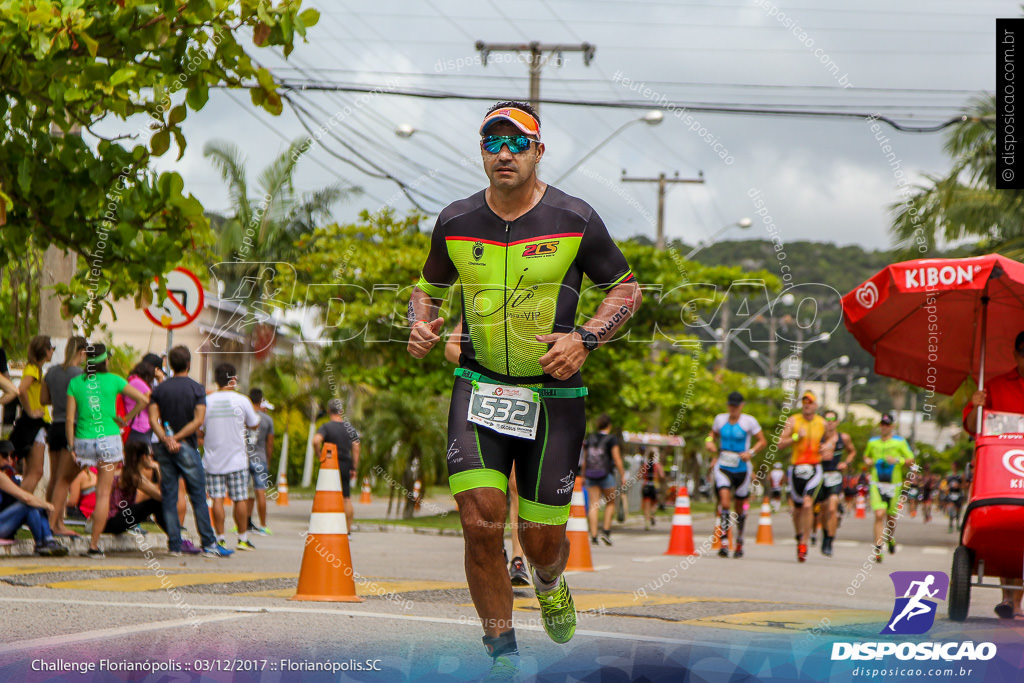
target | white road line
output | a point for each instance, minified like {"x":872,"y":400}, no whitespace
{"x":105,"y":633}
{"x":251,"y":610}
{"x":936,"y":550}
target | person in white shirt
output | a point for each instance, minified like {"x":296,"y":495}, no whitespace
{"x":228,"y":414}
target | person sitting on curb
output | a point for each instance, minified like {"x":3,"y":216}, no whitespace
{"x":18,"y":506}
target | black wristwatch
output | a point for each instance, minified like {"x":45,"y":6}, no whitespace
{"x":588,"y":337}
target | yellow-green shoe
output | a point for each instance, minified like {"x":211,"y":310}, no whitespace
{"x":558,"y":612}
{"x":503,"y":669}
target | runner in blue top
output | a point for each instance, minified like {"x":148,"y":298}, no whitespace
{"x":731,"y":466}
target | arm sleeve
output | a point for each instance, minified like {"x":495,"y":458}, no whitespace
{"x":438,"y":272}
{"x":600,"y":258}
{"x":322,"y":431}
{"x":200,"y":393}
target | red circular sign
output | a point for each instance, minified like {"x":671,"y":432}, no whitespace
{"x":182,"y":304}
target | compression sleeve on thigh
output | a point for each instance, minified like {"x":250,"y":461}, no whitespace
{"x":477,"y":479}
{"x":539,"y":513}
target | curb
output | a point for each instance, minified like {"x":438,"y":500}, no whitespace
{"x":120,"y":543}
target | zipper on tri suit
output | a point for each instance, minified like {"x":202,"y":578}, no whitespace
{"x":504,"y":306}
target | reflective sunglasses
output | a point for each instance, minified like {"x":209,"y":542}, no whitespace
{"x":831,"y":419}
{"x":515,"y":143}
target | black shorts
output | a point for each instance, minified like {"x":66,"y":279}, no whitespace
{"x":546,"y":467}
{"x":739,"y":482}
{"x":831,"y":485}
{"x":648,"y":492}
{"x":345,"y":469}
{"x":56,"y":437}
{"x":804,"y":480}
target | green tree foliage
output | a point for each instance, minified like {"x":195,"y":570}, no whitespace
{"x":66,"y":66}
{"x":964,"y":203}
{"x":266,"y":223}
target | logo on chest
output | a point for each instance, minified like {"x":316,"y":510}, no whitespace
{"x":540,"y":249}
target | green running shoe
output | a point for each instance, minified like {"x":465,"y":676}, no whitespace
{"x":503,"y":669}
{"x":558,"y":612}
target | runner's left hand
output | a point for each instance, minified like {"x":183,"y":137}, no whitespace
{"x":565,"y":356}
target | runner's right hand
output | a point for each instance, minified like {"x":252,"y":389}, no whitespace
{"x":424,"y":336}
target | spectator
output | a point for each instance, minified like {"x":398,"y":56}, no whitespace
{"x":54,"y":392}
{"x":176,"y":413}
{"x":652,"y":475}
{"x":95,"y":437}
{"x":82,"y":495}
{"x":29,"y":435}
{"x":158,"y":367}
{"x":19,"y":506}
{"x":260,"y":447}
{"x":346,"y":439}
{"x":601,"y":454}
{"x":128,"y":508}
{"x":8,"y":392}
{"x":228,"y":413}
{"x":142,"y":378}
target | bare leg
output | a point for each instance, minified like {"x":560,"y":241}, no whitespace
{"x":218,"y":516}
{"x":609,"y":507}
{"x":261,"y":507}
{"x":240,"y":512}
{"x":104,"y":484}
{"x":595,"y":502}
{"x":547,"y":549}
{"x":66,"y":472}
{"x":33,"y":471}
{"x":879,"y":527}
{"x":831,"y":512}
{"x":482,"y":512}
{"x":350,"y":514}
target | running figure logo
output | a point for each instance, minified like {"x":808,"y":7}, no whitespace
{"x":914,"y":613}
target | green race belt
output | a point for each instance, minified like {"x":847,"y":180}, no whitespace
{"x":567,"y":392}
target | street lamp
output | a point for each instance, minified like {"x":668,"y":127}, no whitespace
{"x":860,"y":381}
{"x":405,"y":130}
{"x":651,"y":118}
{"x":742,"y":224}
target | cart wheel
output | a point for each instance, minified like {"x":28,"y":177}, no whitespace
{"x":960,"y":583}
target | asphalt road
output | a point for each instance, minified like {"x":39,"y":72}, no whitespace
{"x":708,"y":614}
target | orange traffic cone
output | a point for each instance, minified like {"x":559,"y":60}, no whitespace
{"x":578,"y":533}
{"x":326,"y":573}
{"x":364,"y":499}
{"x":861,"y":507}
{"x":681,"y":540}
{"x":764,"y":525}
{"x":282,"y":490}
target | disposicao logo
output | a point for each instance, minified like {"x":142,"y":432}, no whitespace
{"x":914,"y":614}
{"x":915,"y":608}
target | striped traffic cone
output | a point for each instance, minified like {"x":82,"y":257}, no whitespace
{"x":578,"y":533}
{"x":861,"y":507}
{"x":282,"y":490}
{"x":681,"y":540}
{"x":326,"y":574}
{"x":764,"y":525}
{"x":364,"y":499}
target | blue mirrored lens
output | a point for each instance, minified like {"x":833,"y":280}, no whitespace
{"x":515,"y":143}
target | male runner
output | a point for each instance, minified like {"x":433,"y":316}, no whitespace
{"x":520,"y":249}
{"x":803,"y":432}
{"x":733,"y":431}
{"x":888,"y":456}
{"x":776,"y":477}
{"x":834,"y":445}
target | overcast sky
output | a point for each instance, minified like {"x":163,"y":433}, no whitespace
{"x":820,"y":178}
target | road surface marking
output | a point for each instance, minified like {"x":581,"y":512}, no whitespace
{"x":790,"y":620}
{"x":26,"y":569}
{"x":936,"y":550}
{"x":372,"y":587}
{"x":118,"y":632}
{"x":152,"y":582}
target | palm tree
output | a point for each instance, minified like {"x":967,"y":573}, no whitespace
{"x":965,"y":203}
{"x":404,"y":437}
{"x":267,"y":223}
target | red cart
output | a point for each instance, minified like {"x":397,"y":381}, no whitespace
{"x":991,"y":542}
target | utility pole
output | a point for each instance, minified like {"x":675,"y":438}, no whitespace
{"x":663,"y":183}
{"x":537,"y":60}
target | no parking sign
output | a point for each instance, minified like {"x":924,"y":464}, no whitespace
{"x":183,"y":302}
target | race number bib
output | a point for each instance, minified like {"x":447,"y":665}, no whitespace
{"x":833,"y":478}
{"x":886,"y":489}
{"x":728,"y":459}
{"x":803,"y":471}
{"x":504,"y":409}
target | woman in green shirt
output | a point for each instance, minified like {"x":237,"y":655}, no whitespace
{"x":93,"y":429}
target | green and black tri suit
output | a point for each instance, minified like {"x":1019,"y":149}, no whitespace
{"x":519,"y":279}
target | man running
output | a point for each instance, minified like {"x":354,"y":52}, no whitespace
{"x":777,"y":478}
{"x":888,"y":456}
{"x":804,"y":432}
{"x":520,"y":248}
{"x":729,"y":439}
{"x":834,"y":446}
{"x":954,"y":495}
